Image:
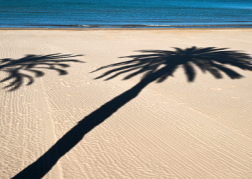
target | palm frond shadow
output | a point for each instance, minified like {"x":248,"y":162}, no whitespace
{"x":164,"y":63}
{"x":25,"y":69}
{"x":156,"y":66}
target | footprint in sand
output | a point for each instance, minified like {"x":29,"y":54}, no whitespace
{"x":235,"y":97}
{"x":64,"y":83}
{"x":216,"y":88}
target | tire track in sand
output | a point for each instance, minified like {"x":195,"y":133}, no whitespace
{"x":57,"y":168}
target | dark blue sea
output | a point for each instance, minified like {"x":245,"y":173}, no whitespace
{"x":125,"y":13}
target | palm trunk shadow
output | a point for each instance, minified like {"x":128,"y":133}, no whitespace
{"x":44,"y":164}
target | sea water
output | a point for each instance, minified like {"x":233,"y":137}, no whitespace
{"x":125,"y":13}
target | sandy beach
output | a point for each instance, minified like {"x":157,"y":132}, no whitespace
{"x":126,"y":103}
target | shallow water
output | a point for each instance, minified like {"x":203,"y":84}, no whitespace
{"x":125,"y":13}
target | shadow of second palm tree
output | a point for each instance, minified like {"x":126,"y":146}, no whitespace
{"x":32,"y":66}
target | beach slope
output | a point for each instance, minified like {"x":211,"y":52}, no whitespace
{"x":85,"y":103}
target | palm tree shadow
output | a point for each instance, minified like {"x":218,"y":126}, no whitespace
{"x":157,"y":66}
{"x":160,"y":64}
{"x":25,"y":69}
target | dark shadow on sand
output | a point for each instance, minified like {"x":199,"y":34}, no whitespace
{"x":24,"y":70}
{"x":156,"y":65}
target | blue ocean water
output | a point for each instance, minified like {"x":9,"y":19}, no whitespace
{"x":125,"y":13}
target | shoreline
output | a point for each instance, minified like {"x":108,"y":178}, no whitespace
{"x":88,"y":29}
{"x":133,"y":26}
{"x":141,"y":26}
